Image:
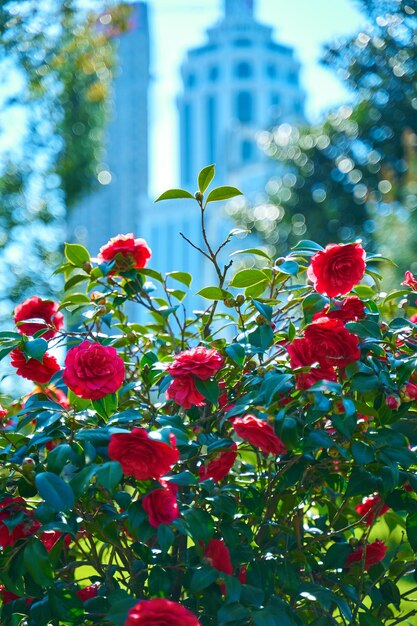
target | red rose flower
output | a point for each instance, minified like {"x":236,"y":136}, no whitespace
{"x":242,"y":575}
{"x":217,"y":555}
{"x":371,"y":508}
{"x":7,"y":596}
{"x":161,"y":506}
{"x":350,"y":309}
{"x":140,"y":456}
{"x":199,"y":362}
{"x":413,"y":318}
{"x":88,"y":592}
{"x":160,"y":612}
{"x":9,"y":509}
{"x":409,"y":392}
{"x":303,"y":353}
{"x":258,"y":433}
{"x":332,"y":343}
{"x":184,"y":393}
{"x":375,"y":552}
{"x":46,"y":314}
{"x":409,"y":281}
{"x":335,"y":270}
{"x":220,"y":466}
{"x":32,"y":369}
{"x":50,"y":537}
{"x":3,"y":413}
{"x":92,"y":370}
{"x":127,"y":251}
{"x":393,"y":402}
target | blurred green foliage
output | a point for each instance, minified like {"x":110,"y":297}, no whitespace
{"x":61,"y":58}
{"x":355,"y":174}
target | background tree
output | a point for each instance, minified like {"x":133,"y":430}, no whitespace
{"x":57,"y":68}
{"x":354,"y":174}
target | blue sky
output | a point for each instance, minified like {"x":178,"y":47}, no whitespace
{"x":177,"y":25}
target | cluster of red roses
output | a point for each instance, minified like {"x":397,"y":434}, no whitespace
{"x":93,"y":370}
{"x":327,"y":346}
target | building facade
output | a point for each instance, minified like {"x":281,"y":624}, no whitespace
{"x":122,"y":194}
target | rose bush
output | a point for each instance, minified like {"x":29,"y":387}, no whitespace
{"x":251,"y":462}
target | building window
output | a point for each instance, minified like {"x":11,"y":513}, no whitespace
{"x":246,"y":151}
{"x":190,"y":81}
{"x":275,"y":101}
{"x":213,"y":73}
{"x":271,"y":70}
{"x":243,"y":70}
{"x":187,"y":143}
{"x":293,"y":78}
{"x":244,"y":107}
{"x":211,"y":128}
{"x":242,"y":43}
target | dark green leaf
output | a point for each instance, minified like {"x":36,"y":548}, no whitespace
{"x":200,"y":525}
{"x":165,"y":537}
{"x":109,"y":474}
{"x":58,"y":457}
{"x":209,"y":389}
{"x":37,"y":563}
{"x":202,"y":578}
{"x":236,"y":352}
{"x":55,"y":491}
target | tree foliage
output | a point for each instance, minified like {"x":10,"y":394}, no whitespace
{"x":355,"y":174}
{"x":59,"y":64}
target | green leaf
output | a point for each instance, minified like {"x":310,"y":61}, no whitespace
{"x":199,"y":524}
{"x":55,"y":491}
{"x":202,"y":578}
{"x":264,"y":309}
{"x":165,"y":537}
{"x":36,"y":561}
{"x":205,"y":177}
{"x":36,"y":348}
{"x":411,"y":527}
{"x":307,"y":245}
{"x":183,"y":478}
{"x":255,"y":251}
{"x":106,"y":406}
{"x":361,"y":483}
{"x":173,"y":194}
{"x":236,"y":352}
{"x":183,"y":277}
{"x":58,"y":457}
{"x":214,"y":293}
{"x":223,"y":193}
{"x":362,"y":453}
{"x":247,"y":278}
{"x":76,"y":254}
{"x":121,"y":604}
{"x":288,"y":267}
{"x":109,"y":474}
{"x":65,"y":604}
{"x":209,"y":389}
{"x":82,"y":479}
{"x":232,"y":613}
{"x":336,"y":556}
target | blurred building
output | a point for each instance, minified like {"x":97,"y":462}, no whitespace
{"x":122,"y":197}
{"x":238,"y":84}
